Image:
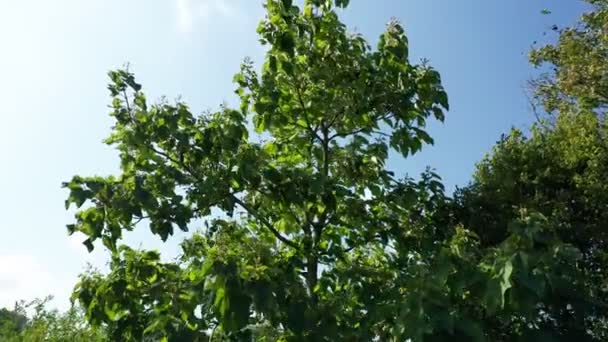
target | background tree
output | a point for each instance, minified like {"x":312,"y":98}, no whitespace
{"x":307,"y":236}
{"x":12,"y":322}
{"x":575,"y":77}
{"x":560,"y":168}
{"x":43,"y":324}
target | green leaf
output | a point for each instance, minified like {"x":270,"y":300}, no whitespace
{"x":89,"y":244}
{"x":505,"y":277}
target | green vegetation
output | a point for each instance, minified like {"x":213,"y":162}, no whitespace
{"x":46,"y":325}
{"x":307,"y":236}
{"x":558,"y":171}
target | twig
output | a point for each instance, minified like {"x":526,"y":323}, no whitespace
{"x":265,"y":222}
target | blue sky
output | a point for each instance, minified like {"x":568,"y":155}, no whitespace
{"x":54,"y":56}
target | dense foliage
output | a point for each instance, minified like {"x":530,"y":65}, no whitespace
{"x":45,"y":325}
{"x":559,"y":170}
{"x":307,"y":236}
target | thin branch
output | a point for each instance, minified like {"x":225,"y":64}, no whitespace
{"x":349,"y":249}
{"x":294,"y":215}
{"x":305,"y":110}
{"x":360,"y":130}
{"x":124,"y":93}
{"x":264,"y":221}
{"x":345,"y":134}
{"x":323,"y":219}
{"x":168,"y":157}
{"x":335,"y":118}
{"x":139,"y":219}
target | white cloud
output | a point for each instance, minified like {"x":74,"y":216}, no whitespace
{"x":26,"y":277}
{"x":191,"y":11}
{"x":22,"y":277}
{"x":75,"y":243}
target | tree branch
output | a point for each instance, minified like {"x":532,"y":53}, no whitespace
{"x":360,"y":130}
{"x":305,"y":110}
{"x":250,"y":210}
{"x":264,"y":221}
{"x":124,"y":93}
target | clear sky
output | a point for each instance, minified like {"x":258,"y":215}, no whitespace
{"x":54,"y":56}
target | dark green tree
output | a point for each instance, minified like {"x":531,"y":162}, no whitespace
{"x":559,"y":169}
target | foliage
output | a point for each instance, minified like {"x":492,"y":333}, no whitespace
{"x":307,"y":235}
{"x":577,"y":73}
{"x":559,"y":169}
{"x":46,"y":325}
{"x":11,"y":322}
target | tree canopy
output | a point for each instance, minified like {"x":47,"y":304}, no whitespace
{"x":306,"y":235}
{"x":559,"y":168}
{"x":35,"y":322}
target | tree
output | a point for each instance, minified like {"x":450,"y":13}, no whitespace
{"x":559,"y":169}
{"x":308,"y":237}
{"x":576,"y":79}
{"x":46,"y":325}
{"x":12,"y":322}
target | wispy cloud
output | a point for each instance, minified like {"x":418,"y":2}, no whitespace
{"x":189,"y":12}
